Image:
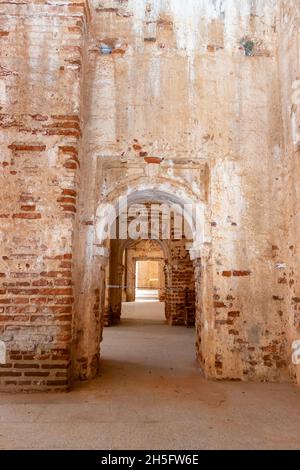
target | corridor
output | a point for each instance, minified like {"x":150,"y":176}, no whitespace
{"x":143,"y":346}
{"x":151,"y":395}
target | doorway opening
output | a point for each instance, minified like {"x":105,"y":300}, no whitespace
{"x":179,"y":294}
{"x":151,"y":301}
{"x":147,"y":275}
{"x":153,"y":270}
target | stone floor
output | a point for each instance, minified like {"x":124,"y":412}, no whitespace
{"x":151,"y":395}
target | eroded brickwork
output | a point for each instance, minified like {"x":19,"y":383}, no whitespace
{"x":41,"y":62}
{"x":186,"y":101}
{"x":177,"y":287}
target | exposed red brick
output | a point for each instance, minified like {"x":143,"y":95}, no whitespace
{"x":28,"y":208}
{"x":36,"y":374}
{"x":41,"y":283}
{"x":154,"y":160}
{"x":67,"y":208}
{"x":219,"y":305}
{"x":54,"y":366}
{"x":66,"y":117}
{"x":24,"y":365}
{"x":70,"y":149}
{"x":5,"y":318}
{"x":64,"y":132}
{"x":27,"y":216}
{"x":137,"y":147}
{"x":65,"y":264}
{"x":69,"y":192}
{"x":57,"y":291}
{"x":70,"y":165}
{"x":234,"y":314}
{"x":211,"y":48}
{"x":65,"y":125}
{"x":27,"y":147}
{"x":63,"y":282}
{"x":10,"y":374}
{"x":227,"y":273}
{"x":66,"y":200}
{"x":241,"y":273}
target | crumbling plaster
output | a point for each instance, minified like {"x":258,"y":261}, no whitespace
{"x":107,"y":98}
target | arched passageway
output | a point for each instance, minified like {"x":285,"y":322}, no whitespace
{"x":175,"y":281}
{"x":140,"y":332}
{"x":175,"y":242}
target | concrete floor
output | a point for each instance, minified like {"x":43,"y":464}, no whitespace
{"x":151,"y":396}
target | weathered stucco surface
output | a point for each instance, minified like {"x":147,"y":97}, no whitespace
{"x":188,"y":100}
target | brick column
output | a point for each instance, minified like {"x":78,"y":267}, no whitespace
{"x":40,"y":124}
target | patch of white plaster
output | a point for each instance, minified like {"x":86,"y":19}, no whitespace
{"x":295,"y":133}
{"x":3,"y":356}
{"x":2,"y":92}
{"x":277,"y":152}
{"x":155,"y":76}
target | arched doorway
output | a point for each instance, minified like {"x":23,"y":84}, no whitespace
{"x":176,"y":286}
{"x":121,"y":273}
{"x":90,"y":318}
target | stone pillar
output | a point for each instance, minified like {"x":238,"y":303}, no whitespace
{"x":168,"y":293}
{"x":118,"y":306}
{"x":115,"y":294}
{"x":106,"y":314}
{"x":40,"y":170}
{"x":88,"y":332}
{"x":198,"y":308}
{"x":131,"y":268}
{"x":162,"y":282}
{"x":205,"y":322}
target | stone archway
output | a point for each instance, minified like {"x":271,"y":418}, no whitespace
{"x":92,"y":297}
{"x":119,"y":276}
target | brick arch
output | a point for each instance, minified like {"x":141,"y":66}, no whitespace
{"x":88,"y":325}
{"x":160,"y":192}
{"x":114,"y":298}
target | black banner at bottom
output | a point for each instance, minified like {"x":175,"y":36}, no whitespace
{"x":139,"y":459}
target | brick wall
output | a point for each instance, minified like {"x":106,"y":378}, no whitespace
{"x":198,"y":116}
{"x":40,"y":74}
{"x":180,"y":292}
{"x":179,"y":284}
